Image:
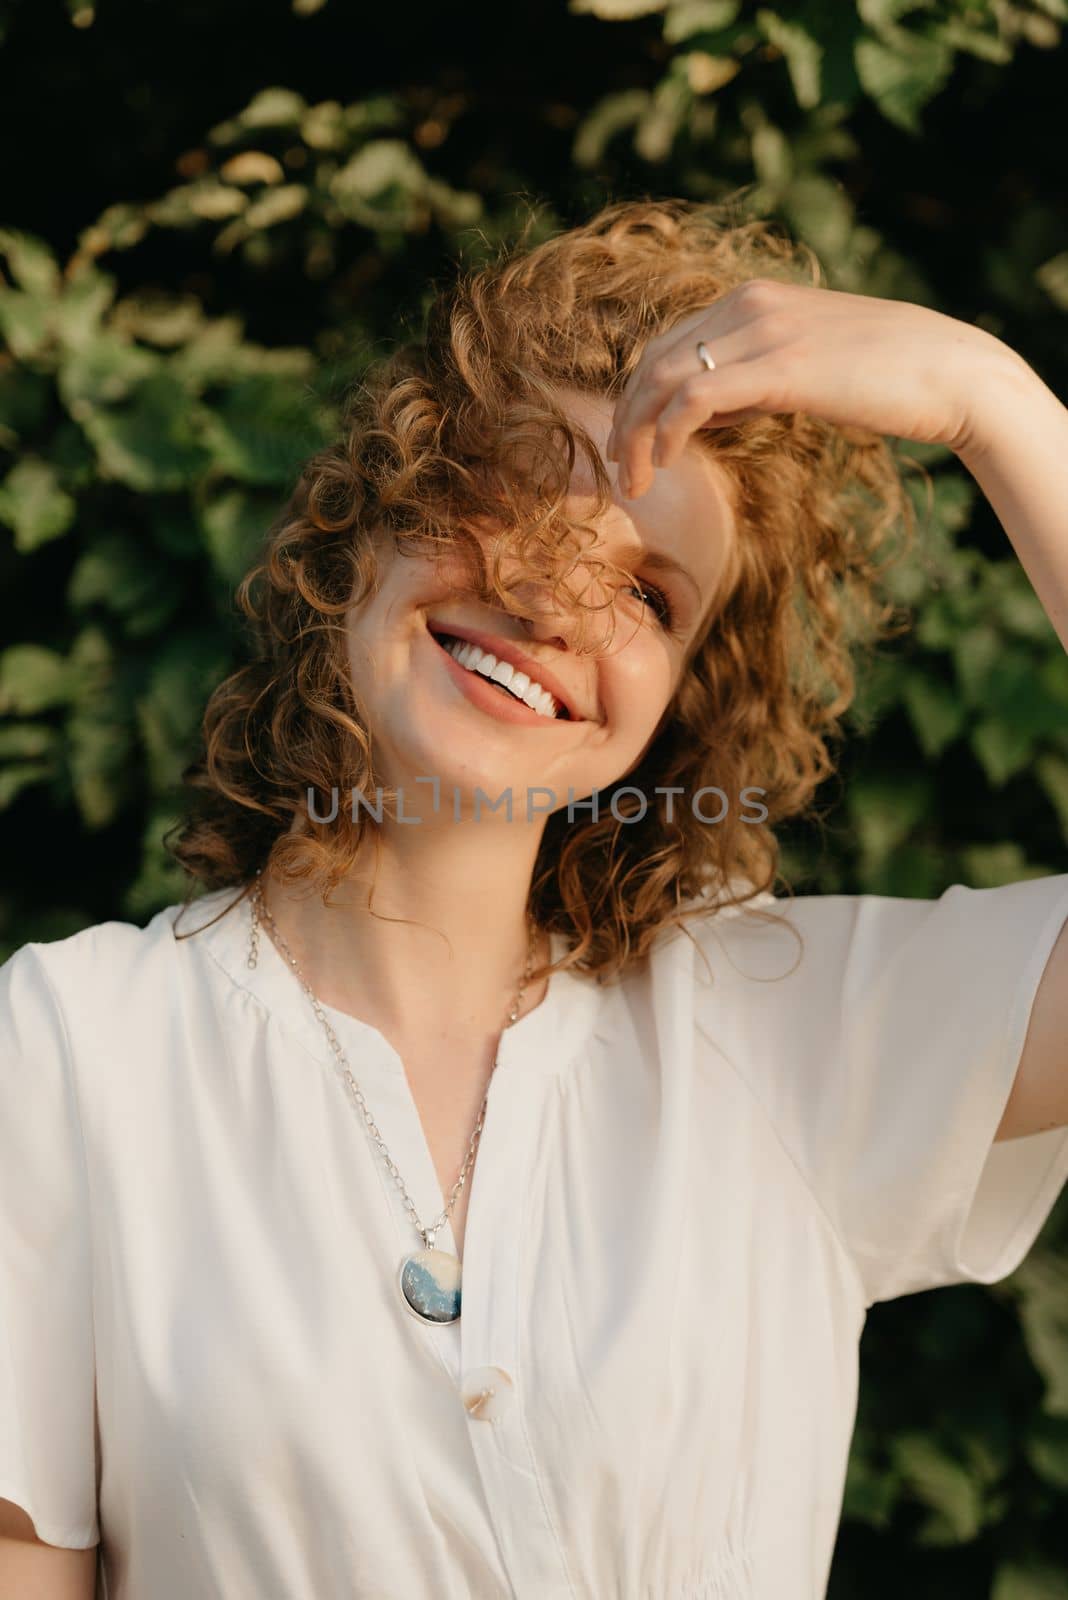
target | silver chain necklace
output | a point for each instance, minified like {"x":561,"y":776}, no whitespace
{"x":429,"y":1279}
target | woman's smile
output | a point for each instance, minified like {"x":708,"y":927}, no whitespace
{"x":495,"y":675}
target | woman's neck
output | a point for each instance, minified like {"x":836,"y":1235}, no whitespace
{"x":439,"y":956}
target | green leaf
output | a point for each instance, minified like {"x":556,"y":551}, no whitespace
{"x":878,"y":688}
{"x":976,"y":652}
{"x":885,"y":807}
{"x":1003,"y":748}
{"x":27,"y":741}
{"x":25,"y":322}
{"x":34,"y":505}
{"x":988,"y":866}
{"x":1052,"y":276}
{"x":69,"y":453}
{"x":99,"y":751}
{"x":120,"y":574}
{"x":30,"y":262}
{"x":218,"y":355}
{"x":883,"y":15}
{"x":174,"y":530}
{"x":263,"y":429}
{"x":955,"y":494}
{"x":18,"y":775}
{"x":234,"y":525}
{"x":271,"y":207}
{"x":81,"y":308}
{"x":99,"y":731}
{"x":1046,"y":1444}
{"x":961,"y":35}
{"x":1040,"y":1285}
{"x":32,"y":679}
{"x":24,"y":401}
{"x":1017,"y":606}
{"x":383,"y":182}
{"x":663,"y":119}
{"x":163,"y":319}
{"x":160,"y":880}
{"x":871,"y":1490}
{"x":102,"y":372}
{"x":203,"y":200}
{"x":836,"y":28}
{"x":1052,"y":773}
{"x":1029,"y":1578}
{"x":944,"y":1484}
{"x":276,"y":205}
{"x":914,"y":869}
{"x":685,"y":18}
{"x":935,"y":709}
{"x":609,"y":117}
{"x":901,"y":78}
{"x":187,"y":668}
{"x":1033,"y":697}
{"x":119,"y":227}
{"x":822,"y":213}
{"x":152,"y":443}
{"x":616,"y":10}
{"x":273,"y":108}
{"x":773,"y":156}
{"x":802,"y":52}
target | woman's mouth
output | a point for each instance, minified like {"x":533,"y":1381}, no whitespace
{"x":483,"y":675}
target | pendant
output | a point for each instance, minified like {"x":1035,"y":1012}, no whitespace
{"x":430,"y":1283}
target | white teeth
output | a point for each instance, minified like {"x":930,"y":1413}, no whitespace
{"x":475,"y":659}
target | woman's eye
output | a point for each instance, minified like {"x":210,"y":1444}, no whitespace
{"x":650,"y":595}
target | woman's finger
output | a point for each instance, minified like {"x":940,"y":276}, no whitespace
{"x":728,"y":395}
{"x":637,"y":416}
{"x":734,"y":324}
{"x":678,"y":379}
{"x":662,"y":349}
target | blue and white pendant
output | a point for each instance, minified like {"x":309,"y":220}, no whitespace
{"x":430,"y":1283}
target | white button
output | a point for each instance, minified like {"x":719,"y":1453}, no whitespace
{"x":487,"y":1392}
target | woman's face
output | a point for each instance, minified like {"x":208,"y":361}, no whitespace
{"x":433,"y":716}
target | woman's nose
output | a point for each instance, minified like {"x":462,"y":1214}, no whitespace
{"x":548,"y":627}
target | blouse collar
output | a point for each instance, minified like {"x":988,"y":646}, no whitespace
{"x":545,"y":1040}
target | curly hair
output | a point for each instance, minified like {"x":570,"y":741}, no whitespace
{"x":464,"y":430}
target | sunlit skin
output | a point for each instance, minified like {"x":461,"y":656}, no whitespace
{"x":469,"y":880}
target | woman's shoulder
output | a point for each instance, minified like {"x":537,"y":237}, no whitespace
{"x":99,"y":966}
{"x":847,"y":939}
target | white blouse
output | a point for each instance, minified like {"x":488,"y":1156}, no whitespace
{"x":689,"y":1189}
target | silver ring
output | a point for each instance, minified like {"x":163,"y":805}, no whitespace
{"x":704,"y":357}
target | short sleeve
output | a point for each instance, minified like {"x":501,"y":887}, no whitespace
{"x":886,"y":1060}
{"x":48,"y":1460}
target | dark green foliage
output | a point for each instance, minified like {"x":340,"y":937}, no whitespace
{"x":221,"y":213}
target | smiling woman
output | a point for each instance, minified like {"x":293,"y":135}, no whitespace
{"x":475,"y":459}
{"x":712,"y":1125}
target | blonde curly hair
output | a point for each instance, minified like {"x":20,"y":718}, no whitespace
{"x":465,"y":430}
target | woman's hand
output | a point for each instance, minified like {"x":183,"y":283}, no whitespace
{"x":884,"y":365}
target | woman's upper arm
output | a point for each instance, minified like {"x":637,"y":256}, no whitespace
{"x":33,"y":1570}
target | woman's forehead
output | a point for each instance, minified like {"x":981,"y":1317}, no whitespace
{"x":687,"y":512}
